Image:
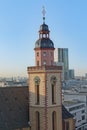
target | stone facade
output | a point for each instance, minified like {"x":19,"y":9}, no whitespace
{"x":45,"y":106}
{"x":69,"y":124}
{"x":23,"y":129}
{"x":42,"y":55}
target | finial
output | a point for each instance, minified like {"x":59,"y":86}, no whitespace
{"x":43,"y":12}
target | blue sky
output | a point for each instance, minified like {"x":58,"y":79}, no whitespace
{"x":19,"y":24}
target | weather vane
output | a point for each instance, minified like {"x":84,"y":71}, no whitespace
{"x":43,"y":12}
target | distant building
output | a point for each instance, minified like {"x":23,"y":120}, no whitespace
{"x":71,"y":74}
{"x":86,"y":75}
{"x":61,"y":55}
{"x":7,"y":82}
{"x":60,"y":64}
{"x":78,"y":109}
{"x":68,"y":123}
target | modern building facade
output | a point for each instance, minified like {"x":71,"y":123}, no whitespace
{"x":61,"y":55}
{"x":71,"y":74}
{"x":78,"y":109}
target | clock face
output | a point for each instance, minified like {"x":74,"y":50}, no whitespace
{"x":53,"y":80}
{"x":37,"y":80}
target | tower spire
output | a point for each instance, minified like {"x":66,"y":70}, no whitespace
{"x":43,"y":12}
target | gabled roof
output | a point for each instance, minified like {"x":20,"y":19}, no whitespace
{"x":65,"y":113}
{"x":13,"y":108}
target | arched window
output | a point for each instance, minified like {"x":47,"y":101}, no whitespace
{"x":54,"y":124}
{"x":37,"y":120}
{"x":37,"y":94}
{"x":37,"y":89}
{"x":53,"y":94}
{"x":53,"y":86}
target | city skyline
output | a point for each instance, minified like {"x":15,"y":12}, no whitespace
{"x":19,"y":26}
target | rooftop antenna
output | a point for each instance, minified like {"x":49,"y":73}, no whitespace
{"x":43,"y":12}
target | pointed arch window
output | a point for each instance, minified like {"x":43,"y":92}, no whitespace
{"x":54,"y":124}
{"x":37,"y":89}
{"x":37,"y":120}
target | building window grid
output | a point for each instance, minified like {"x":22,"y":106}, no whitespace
{"x":76,"y":107}
{"x":83,"y":117}
{"x":83,"y":111}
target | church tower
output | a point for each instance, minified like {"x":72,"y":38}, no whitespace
{"x":44,"y":47}
{"x":45,"y":105}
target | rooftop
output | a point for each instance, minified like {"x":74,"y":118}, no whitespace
{"x":13,"y":108}
{"x":72,"y":102}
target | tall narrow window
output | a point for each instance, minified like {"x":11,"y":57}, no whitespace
{"x":54,"y":124}
{"x":37,"y":121}
{"x":37,"y":93}
{"x":63,"y":125}
{"x":53,"y":93}
{"x":53,"y":89}
{"x":67,"y":125}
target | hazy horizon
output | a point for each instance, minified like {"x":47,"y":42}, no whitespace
{"x":19,"y":26}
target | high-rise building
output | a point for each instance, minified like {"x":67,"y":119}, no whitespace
{"x":61,"y":55}
{"x":71,"y":74}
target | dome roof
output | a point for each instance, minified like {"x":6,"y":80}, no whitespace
{"x":44,"y":43}
{"x":44,"y":27}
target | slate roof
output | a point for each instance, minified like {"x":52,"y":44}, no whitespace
{"x":44,"y":27}
{"x":44,"y":43}
{"x":65,"y":113}
{"x":13,"y":108}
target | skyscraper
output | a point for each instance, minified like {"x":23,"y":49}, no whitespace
{"x":61,"y":56}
